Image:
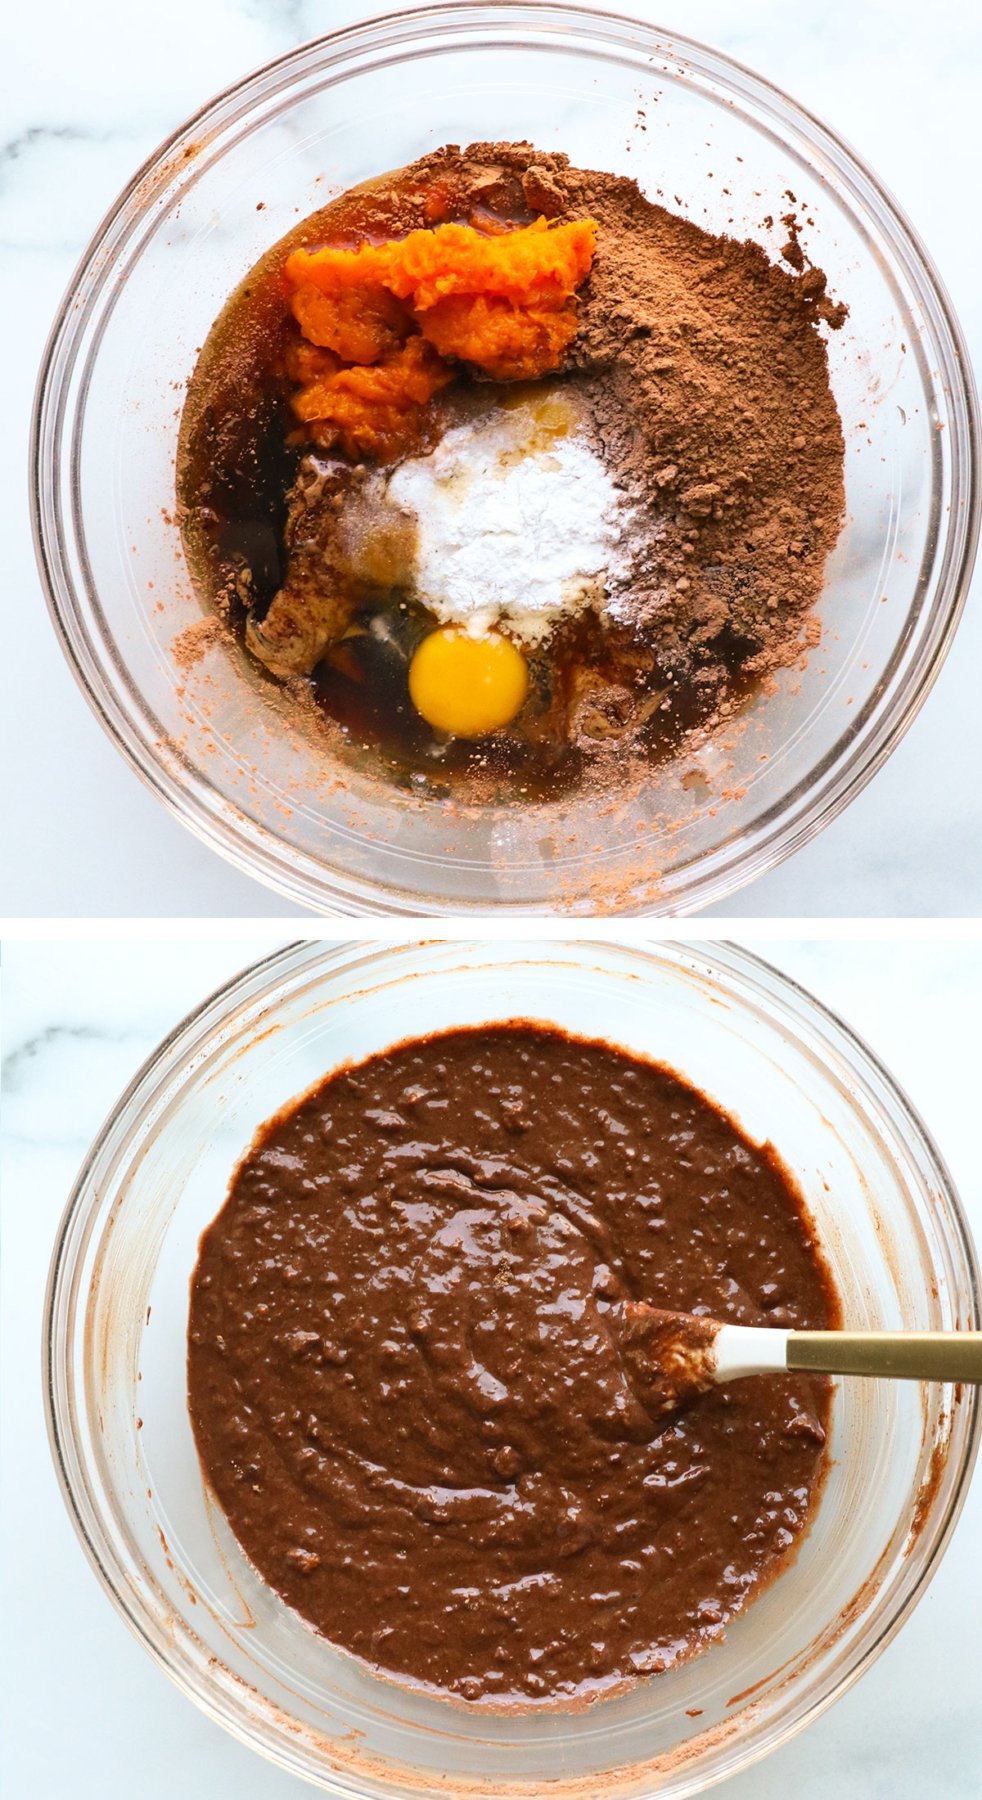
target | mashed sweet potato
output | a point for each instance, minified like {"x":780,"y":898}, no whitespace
{"x":386,"y":318}
{"x":370,"y":409}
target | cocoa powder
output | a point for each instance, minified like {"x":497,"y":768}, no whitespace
{"x":708,"y":386}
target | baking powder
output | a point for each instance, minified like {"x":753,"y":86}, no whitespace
{"x":517,"y":524}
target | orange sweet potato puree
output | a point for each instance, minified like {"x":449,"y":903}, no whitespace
{"x":370,"y":409}
{"x":383,"y":322}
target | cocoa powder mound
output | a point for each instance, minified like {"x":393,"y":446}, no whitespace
{"x":707,"y":382}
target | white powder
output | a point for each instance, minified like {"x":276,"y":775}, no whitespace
{"x":517,"y":523}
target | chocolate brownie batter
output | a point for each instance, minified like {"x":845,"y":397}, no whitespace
{"x":407,"y":1378}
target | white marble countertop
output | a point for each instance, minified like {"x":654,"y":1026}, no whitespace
{"x":88,"y":1716}
{"x":90,"y":90}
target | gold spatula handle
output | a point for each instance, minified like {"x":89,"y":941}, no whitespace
{"x":909,"y":1355}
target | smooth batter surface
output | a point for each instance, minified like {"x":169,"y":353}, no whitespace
{"x":405,"y":1374}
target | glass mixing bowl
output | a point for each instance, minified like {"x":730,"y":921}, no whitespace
{"x":213,"y":741}
{"x":789,"y":1071}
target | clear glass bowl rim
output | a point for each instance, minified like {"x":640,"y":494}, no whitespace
{"x":822,"y":793}
{"x":835,"y":782}
{"x":755,"y":980}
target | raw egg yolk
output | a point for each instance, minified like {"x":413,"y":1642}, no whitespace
{"x":465,"y":685}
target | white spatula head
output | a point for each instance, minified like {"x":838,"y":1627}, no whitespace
{"x":670,"y":1357}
